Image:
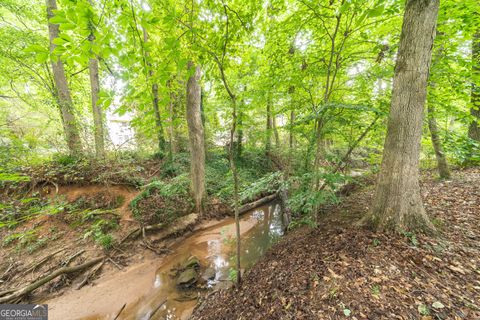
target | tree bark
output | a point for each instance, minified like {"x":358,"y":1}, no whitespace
{"x":62,"y":91}
{"x":239,"y":135}
{"x":158,"y":118}
{"x":268,"y":135}
{"x":398,"y":204}
{"x":291,"y":137}
{"x":196,"y":137}
{"x":474,"y":128}
{"x":442,"y":165}
{"x":275,"y":131}
{"x":156,"y":109}
{"x":96,"y":109}
{"x":99,"y":130}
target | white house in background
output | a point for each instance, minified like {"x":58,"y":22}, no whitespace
{"x":120,"y":131}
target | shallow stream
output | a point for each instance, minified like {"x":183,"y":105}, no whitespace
{"x":150,"y":288}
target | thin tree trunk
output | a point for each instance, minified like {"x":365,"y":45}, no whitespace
{"x":99,"y":131}
{"x":62,"y":91}
{"x":172,"y":132}
{"x":196,"y":137}
{"x":233,"y":168}
{"x":268,"y":136}
{"x":171,"y":121}
{"x":474,"y":128}
{"x":239,"y":135}
{"x":398,"y":203}
{"x":442,"y":165}
{"x":97,"y":110}
{"x":275,"y":131}
{"x":156,"y":109}
{"x":292,"y":137}
{"x":158,"y":118}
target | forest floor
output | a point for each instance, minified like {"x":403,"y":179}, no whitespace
{"x":64,"y":237}
{"x":339,"y":271}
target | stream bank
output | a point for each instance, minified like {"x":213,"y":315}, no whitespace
{"x":145,"y":286}
{"x":339,"y":271}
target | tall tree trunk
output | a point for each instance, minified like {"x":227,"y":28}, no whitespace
{"x":62,"y":91}
{"x":156,"y":109}
{"x":291,"y":137}
{"x":474,"y":128}
{"x":239,"y":135}
{"x":99,"y":131}
{"x":442,"y":165}
{"x":158,"y":119}
{"x":398,"y":203}
{"x":172,"y":130}
{"x":268,"y":135}
{"x":96,"y":109}
{"x":275,"y":131}
{"x":171,"y":106}
{"x":196,"y":137}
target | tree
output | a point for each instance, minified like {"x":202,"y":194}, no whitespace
{"x":442,"y":164}
{"x":196,"y":136}
{"x":156,"y":109}
{"x":398,"y":204}
{"x":474,"y":128}
{"x":62,"y":91}
{"x":99,"y":132}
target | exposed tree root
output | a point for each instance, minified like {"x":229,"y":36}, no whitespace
{"x":43,"y":260}
{"x":70,"y":259}
{"x":14,"y":295}
{"x":89,"y":275}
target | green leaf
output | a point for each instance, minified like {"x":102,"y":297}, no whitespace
{"x":438,"y":305}
{"x":59,"y":41}
{"x":375,"y":12}
{"x":58,"y":19}
{"x":41,"y":57}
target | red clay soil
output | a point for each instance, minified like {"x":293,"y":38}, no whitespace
{"x":338,"y":271}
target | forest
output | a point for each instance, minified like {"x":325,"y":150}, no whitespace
{"x":240,"y":159}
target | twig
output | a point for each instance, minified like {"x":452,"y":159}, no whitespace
{"x":120,"y":311}
{"x":89,"y":275}
{"x":114,"y":263}
{"x":19,"y":293}
{"x":156,"y":309}
{"x":43,"y":260}
{"x":70,"y":259}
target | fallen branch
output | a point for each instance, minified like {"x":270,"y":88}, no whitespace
{"x":19,"y":293}
{"x":89,"y":275}
{"x":12,"y":265}
{"x":257,"y":203}
{"x":343,"y":161}
{"x":114,"y":263}
{"x":136,"y":232}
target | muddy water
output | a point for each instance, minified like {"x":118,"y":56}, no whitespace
{"x":150,"y":288}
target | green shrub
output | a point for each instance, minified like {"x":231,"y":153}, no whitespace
{"x":163,"y":202}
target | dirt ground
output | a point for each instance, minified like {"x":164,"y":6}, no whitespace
{"x":339,"y":271}
{"x":66,"y":244}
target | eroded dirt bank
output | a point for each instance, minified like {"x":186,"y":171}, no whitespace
{"x":144,"y":286}
{"x":337,"y":271}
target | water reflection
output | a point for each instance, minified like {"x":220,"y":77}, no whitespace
{"x":215,"y":248}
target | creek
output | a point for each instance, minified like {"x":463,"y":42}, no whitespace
{"x":150,"y":288}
